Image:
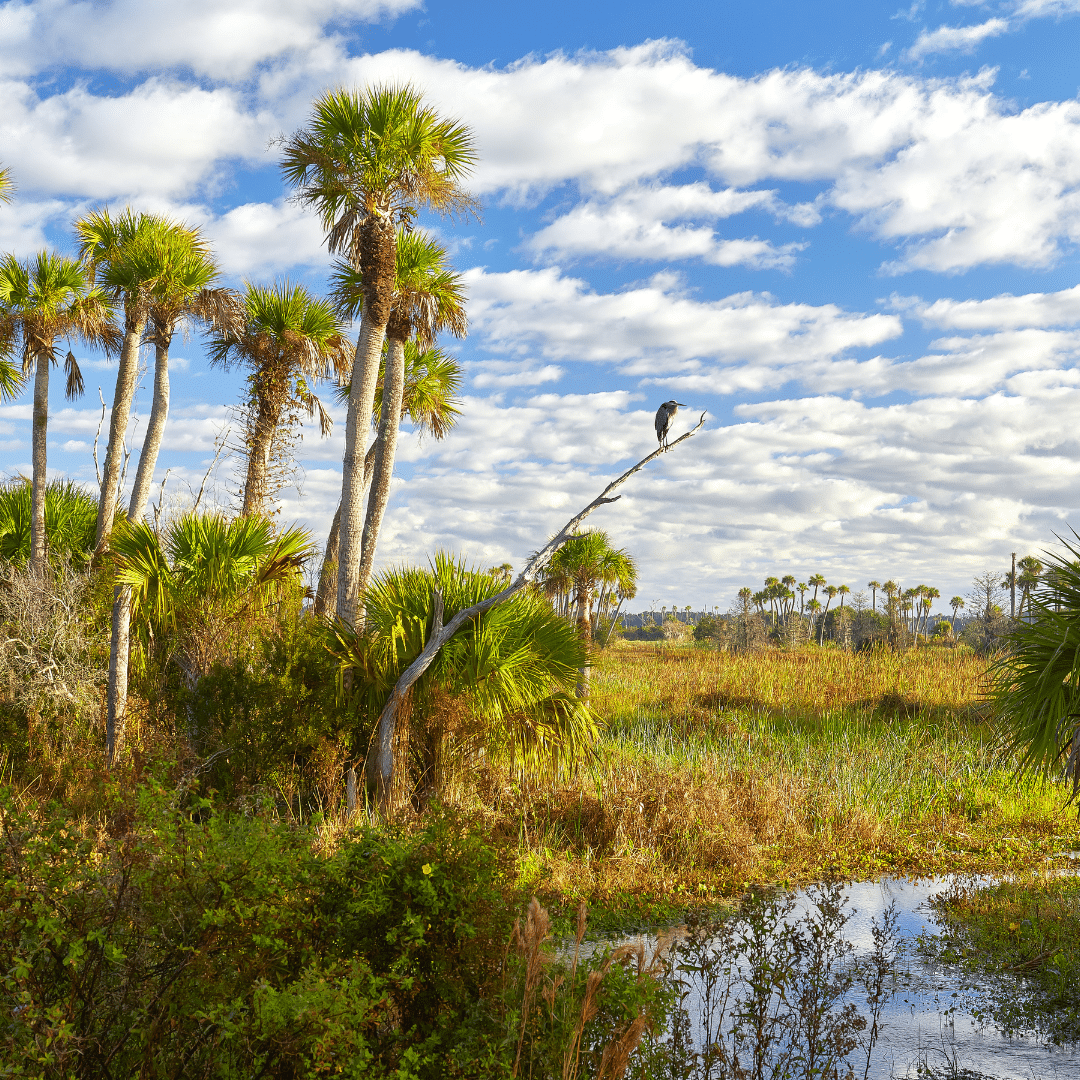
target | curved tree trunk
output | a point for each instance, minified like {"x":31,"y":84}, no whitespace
{"x":159,"y":414}
{"x":38,"y":549}
{"x":365,"y":374}
{"x":119,"y":418}
{"x":385,"y":453}
{"x":120,"y":644}
{"x":326,"y":596}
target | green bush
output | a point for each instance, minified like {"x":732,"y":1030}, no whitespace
{"x":197,"y":943}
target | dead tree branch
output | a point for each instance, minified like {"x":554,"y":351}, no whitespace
{"x":379,"y":766}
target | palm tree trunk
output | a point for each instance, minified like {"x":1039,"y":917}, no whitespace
{"x":583,"y":605}
{"x":365,"y":373}
{"x":119,"y":418}
{"x":120,"y":643}
{"x":385,"y":453}
{"x":38,"y":552}
{"x":266,"y":422}
{"x":159,"y":414}
{"x":326,"y":596}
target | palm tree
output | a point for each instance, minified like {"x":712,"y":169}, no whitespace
{"x":957,"y":604}
{"x":802,"y":587}
{"x":1035,"y":682}
{"x":7,"y":186}
{"x":589,"y":562}
{"x":873,"y":586}
{"x":818,"y":582}
{"x":843,"y":590}
{"x":514,"y":668}
{"x":184,"y":292}
{"x":830,"y":592}
{"x":1030,"y":571}
{"x":126,"y":257}
{"x":288,"y":339}
{"x":70,"y":520}
{"x":930,"y":594}
{"x":813,"y":606}
{"x":367,"y":162}
{"x":428,"y":299}
{"x":41,"y":300}
{"x":432,"y":388}
{"x":208,"y":575}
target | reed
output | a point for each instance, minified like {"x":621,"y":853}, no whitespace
{"x":717,"y":770}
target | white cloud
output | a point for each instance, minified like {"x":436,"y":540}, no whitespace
{"x":266,"y":238}
{"x":635,"y":225}
{"x":955,"y":38}
{"x":654,"y":328}
{"x":223,"y":39}
{"x":503,"y":374}
{"x":1004,"y":311}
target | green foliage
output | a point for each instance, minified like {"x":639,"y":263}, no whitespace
{"x":1037,"y":682}
{"x":70,"y":520}
{"x":514,"y":668}
{"x":708,"y":628}
{"x":1027,"y":928}
{"x":198,"y":943}
{"x":274,"y":710}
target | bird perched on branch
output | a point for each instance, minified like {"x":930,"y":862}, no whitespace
{"x":664,"y":415}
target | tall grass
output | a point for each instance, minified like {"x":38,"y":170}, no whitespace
{"x":718,"y":769}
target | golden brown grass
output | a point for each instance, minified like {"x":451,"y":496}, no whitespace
{"x":718,"y":770}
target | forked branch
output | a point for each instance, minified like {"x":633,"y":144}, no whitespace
{"x":380,"y":762}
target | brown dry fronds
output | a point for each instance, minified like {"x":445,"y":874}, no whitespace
{"x":617,"y":1053}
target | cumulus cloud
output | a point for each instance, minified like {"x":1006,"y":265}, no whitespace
{"x":1032,"y":309}
{"x":223,"y":39}
{"x":955,"y":38}
{"x":656,"y":328}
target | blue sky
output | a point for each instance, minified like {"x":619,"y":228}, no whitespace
{"x":847,"y":231}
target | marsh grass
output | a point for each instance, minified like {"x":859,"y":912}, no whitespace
{"x":718,"y":770}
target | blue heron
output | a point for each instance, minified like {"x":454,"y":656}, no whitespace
{"x":664,"y":415}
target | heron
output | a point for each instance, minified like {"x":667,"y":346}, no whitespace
{"x":664,"y":415}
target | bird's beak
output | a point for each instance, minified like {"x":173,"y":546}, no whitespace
{"x":681,"y":404}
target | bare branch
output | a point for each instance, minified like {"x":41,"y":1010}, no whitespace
{"x":381,"y":770}
{"x":219,"y":445}
{"x":160,"y":502}
{"x":97,"y":435}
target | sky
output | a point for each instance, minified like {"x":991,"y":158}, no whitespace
{"x":846,"y":232}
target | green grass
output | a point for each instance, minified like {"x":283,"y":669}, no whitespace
{"x":1021,"y":940}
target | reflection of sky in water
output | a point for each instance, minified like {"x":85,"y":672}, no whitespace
{"x":918,"y":1026}
{"x":926,"y":1022}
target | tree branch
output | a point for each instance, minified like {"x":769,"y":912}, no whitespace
{"x":380,"y":772}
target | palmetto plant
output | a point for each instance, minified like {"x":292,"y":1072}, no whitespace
{"x":127,"y":256}
{"x":206,"y":577}
{"x":429,"y":298}
{"x":430,"y":397}
{"x":70,"y":520}
{"x":41,"y":300}
{"x":7,"y":186}
{"x":513,"y":669}
{"x":366,"y":163}
{"x":1037,"y":680}
{"x":288,"y":340}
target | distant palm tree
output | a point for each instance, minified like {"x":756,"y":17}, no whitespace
{"x":930,"y":594}
{"x":41,"y":300}
{"x":366,"y":163}
{"x":843,"y":590}
{"x":830,"y":592}
{"x":288,"y":340}
{"x":1031,"y":570}
{"x":802,"y":587}
{"x":813,"y":607}
{"x":873,"y":586}
{"x":957,"y":604}
{"x":818,"y":582}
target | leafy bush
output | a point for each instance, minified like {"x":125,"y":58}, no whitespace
{"x":208,"y":944}
{"x":70,"y":520}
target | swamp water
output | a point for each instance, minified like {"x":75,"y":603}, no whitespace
{"x":815,"y":954}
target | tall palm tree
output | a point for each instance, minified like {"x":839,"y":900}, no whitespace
{"x":185,"y":292}
{"x":830,"y":592}
{"x":957,"y":604}
{"x":125,"y":256}
{"x":1031,"y":569}
{"x":803,"y":587}
{"x":873,"y":586}
{"x":41,"y":300}
{"x":818,"y":582}
{"x":288,"y":339}
{"x":430,"y":397}
{"x":428,"y":299}
{"x":366,"y":163}
{"x":588,"y":562}
{"x":843,"y":590}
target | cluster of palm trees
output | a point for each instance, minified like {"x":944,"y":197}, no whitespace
{"x":367,"y":163}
